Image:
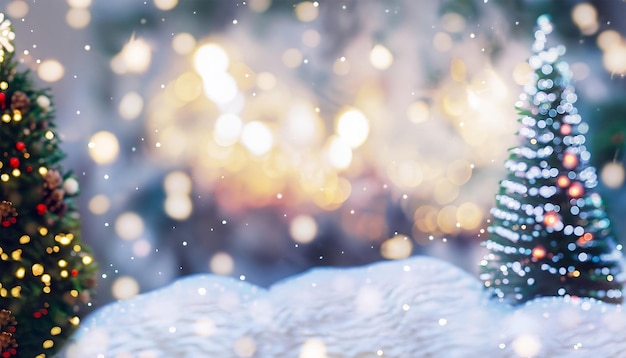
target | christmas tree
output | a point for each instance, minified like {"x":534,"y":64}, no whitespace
{"x":45,"y":271}
{"x":550,"y":235}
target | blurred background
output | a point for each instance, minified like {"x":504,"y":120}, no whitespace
{"x":258,"y":139}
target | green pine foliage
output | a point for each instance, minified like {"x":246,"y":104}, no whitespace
{"x":550,"y":235}
{"x":45,"y":270}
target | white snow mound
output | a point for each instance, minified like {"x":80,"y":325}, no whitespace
{"x":419,"y":307}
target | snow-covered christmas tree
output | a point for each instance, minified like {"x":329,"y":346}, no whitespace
{"x":550,"y":235}
{"x":45,"y":270}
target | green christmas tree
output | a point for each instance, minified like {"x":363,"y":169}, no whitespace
{"x":45,"y":270}
{"x":550,"y":235}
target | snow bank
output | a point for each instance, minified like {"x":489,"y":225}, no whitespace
{"x":419,"y":307}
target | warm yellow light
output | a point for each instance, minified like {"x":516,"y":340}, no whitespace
{"x":16,"y":255}
{"x":135,"y":57}
{"x":16,"y":291}
{"x":245,"y":347}
{"x":129,"y":226}
{"x":614,"y":59}
{"x":396,"y":248}
{"x":87,"y":260}
{"x":442,"y":42}
{"x":313,"y":348}
{"x":46,"y":278}
{"x":352,"y":127}
{"x":405,"y":173}
{"x":469,"y":216}
{"x":259,"y":6}
{"x":50,"y":70}
{"x":220,"y":88}
{"x":165,"y":5}
{"x":183,"y":43}
{"x":292,"y":58}
{"x":178,"y":206}
{"x":177,"y":182}
{"x":16,"y":172}
{"x":75,"y":320}
{"x":257,"y":138}
{"x":341,"y":67}
{"x":79,"y":4}
{"x":306,"y":11}
{"x":55,"y":331}
{"x":612,"y":175}
{"x":62,"y":263}
{"x":99,"y":204}
{"x":453,"y":22}
{"x":380,"y":57}
{"x":188,"y":86}
{"x":124,"y":287}
{"x":608,"y":39}
{"x":37,"y":269}
{"x":222,"y":263}
{"x":64,"y":239}
{"x":130,"y":106}
{"x":103,"y":147}
{"x":5,"y":177}
{"x":49,"y":135}
{"x":20,"y":272}
{"x":311,"y":38}
{"x":265,"y":81}
{"x":43,"y":170}
{"x":459,"y":172}
{"x":78,"y":18}
{"x":585,"y":16}
{"x":339,"y":153}
{"x":210,"y":58}
{"x":228,"y":128}
{"x":17,"y":9}
{"x":24,"y":239}
{"x":303,"y":229}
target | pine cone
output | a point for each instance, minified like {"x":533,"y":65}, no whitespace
{"x":20,"y":102}
{"x":8,"y":344}
{"x":52,"y":179}
{"x":7,"y":215}
{"x":53,"y":199}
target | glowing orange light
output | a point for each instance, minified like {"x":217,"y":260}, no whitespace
{"x":585,"y":238}
{"x":550,"y":218}
{"x":562,"y":181}
{"x":575,"y":190}
{"x":538,"y":253}
{"x":566,"y":129}
{"x":570,"y":160}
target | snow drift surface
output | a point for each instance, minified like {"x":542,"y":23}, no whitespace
{"x":419,"y":307}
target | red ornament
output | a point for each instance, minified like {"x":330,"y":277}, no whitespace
{"x":566,"y":129}
{"x":20,"y":146}
{"x":29,"y":169}
{"x":576,"y":190}
{"x":41,"y":209}
{"x":74,"y":272}
{"x":3,"y":100}
{"x":37,"y":314}
{"x":14,"y":162}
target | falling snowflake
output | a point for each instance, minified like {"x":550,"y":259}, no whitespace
{"x":6,"y":36}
